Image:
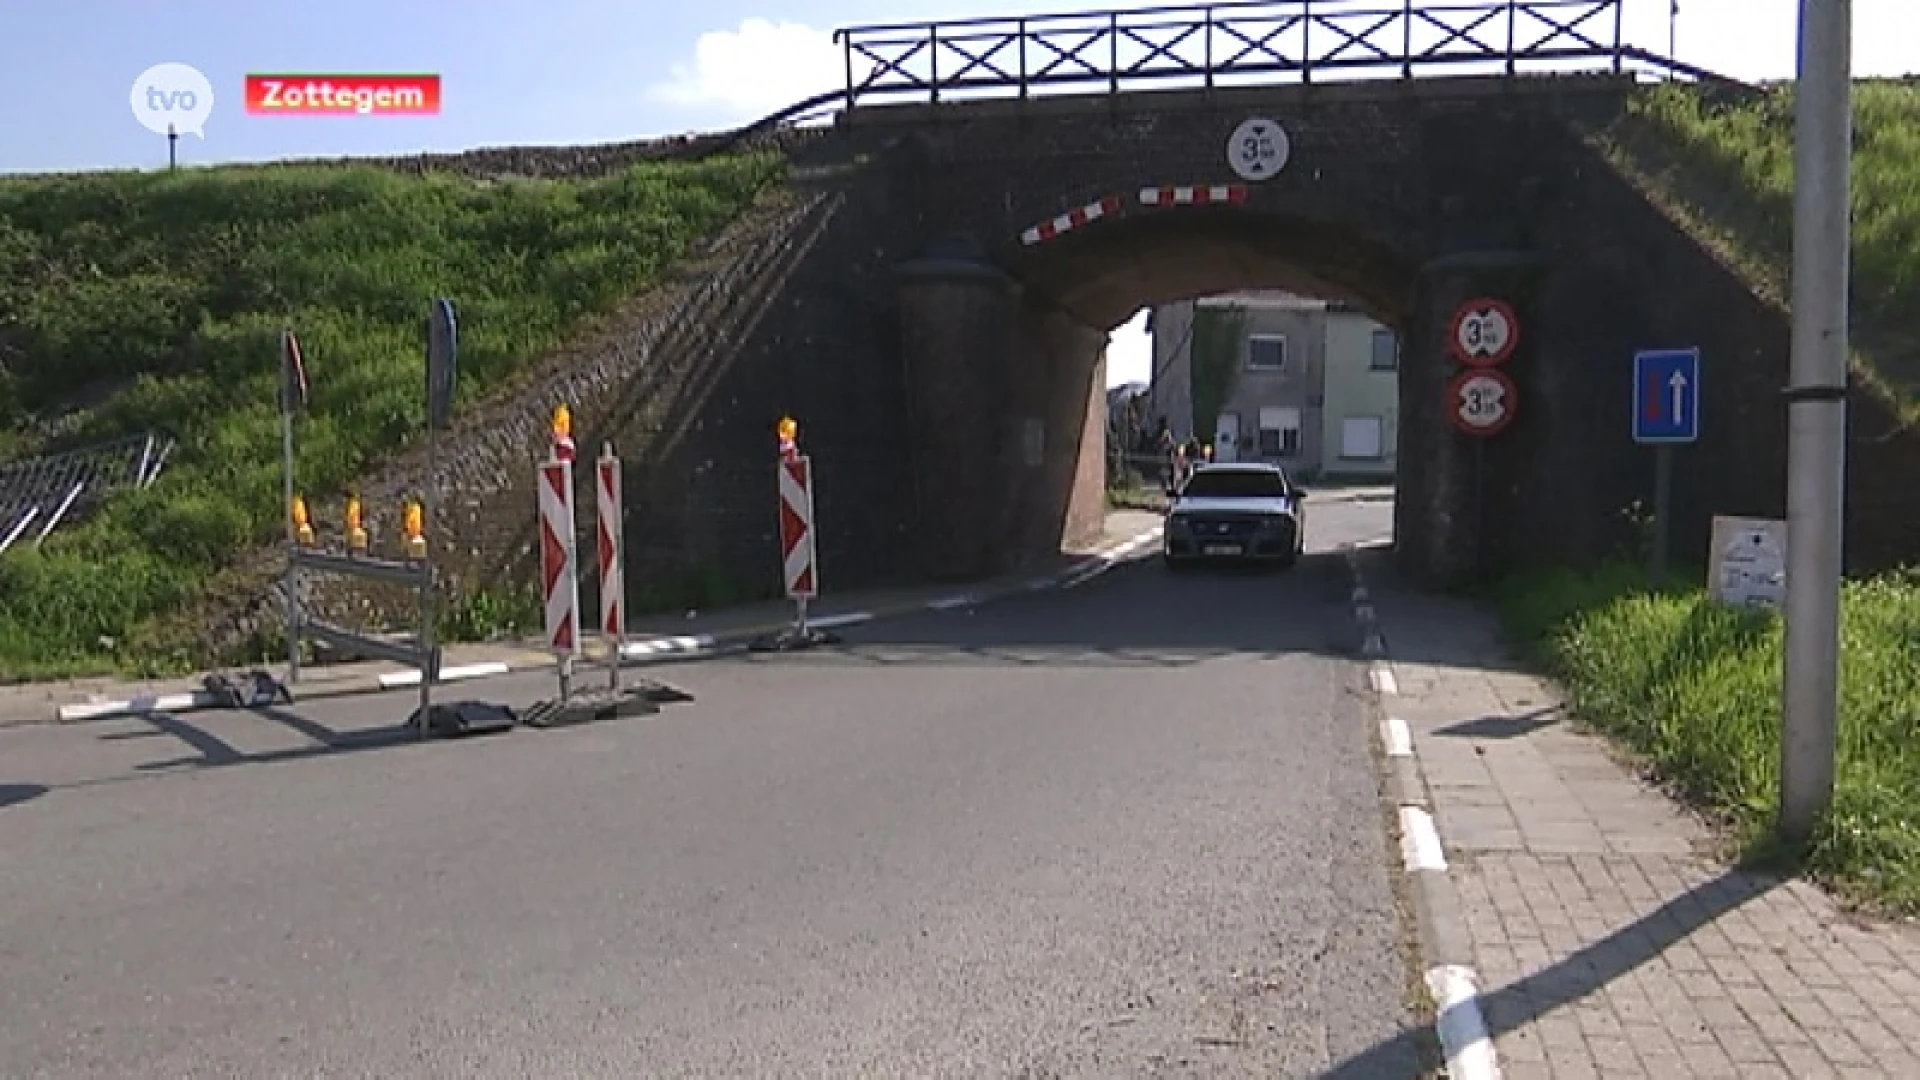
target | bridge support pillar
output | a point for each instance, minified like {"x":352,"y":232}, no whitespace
{"x":1448,"y":495}
{"x":959,"y":323}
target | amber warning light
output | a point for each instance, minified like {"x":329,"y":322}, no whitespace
{"x":343,"y":95}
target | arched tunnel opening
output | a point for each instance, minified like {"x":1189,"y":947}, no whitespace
{"x":1274,"y":339}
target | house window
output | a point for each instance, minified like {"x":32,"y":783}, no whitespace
{"x":1360,"y":438}
{"x":1267,"y":352}
{"x":1279,"y":432}
{"x":1386,"y":351}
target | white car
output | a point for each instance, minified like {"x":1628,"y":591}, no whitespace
{"x":1242,"y":512}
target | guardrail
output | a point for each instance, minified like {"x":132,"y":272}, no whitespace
{"x":1233,"y":44}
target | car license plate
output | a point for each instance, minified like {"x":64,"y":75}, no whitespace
{"x":1223,"y":549}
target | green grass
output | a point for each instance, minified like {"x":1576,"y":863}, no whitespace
{"x":1694,"y":688}
{"x":1728,"y":167}
{"x":156,"y":300}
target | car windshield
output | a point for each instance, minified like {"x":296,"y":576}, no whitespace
{"x":1235,"y":484}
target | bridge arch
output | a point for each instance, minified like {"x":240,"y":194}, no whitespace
{"x":1104,"y":273}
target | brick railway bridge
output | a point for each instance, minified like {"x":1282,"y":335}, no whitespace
{"x":943,"y":344}
{"x":1436,"y":157}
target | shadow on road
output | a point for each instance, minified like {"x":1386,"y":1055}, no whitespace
{"x":1587,"y":971}
{"x":11,"y":794}
{"x":1139,"y":614}
{"x":1503,"y":726}
{"x":211,"y":751}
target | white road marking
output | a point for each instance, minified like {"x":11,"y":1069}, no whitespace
{"x":1382,"y":678}
{"x":1462,"y":1029}
{"x":1420,"y":841}
{"x":1398,"y":737}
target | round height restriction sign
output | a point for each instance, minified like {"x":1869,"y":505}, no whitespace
{"x":1482,"y":402}
{"x":1483,"y":333}
{"x":1258,"y":148}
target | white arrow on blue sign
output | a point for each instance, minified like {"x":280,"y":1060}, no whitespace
{"x":1666,"y":396}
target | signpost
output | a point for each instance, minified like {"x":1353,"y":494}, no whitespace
{"x":1483,"y":333}
{"x":1817,"y":414}
{"x":1481,"y":401}
{"x":1258,"y":149}
{"x":1666,"y":410}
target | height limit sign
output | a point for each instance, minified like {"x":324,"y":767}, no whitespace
{"x":1483,"y":333}
{"x":1258,"y":149}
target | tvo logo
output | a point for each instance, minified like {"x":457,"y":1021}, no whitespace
{"x":172,"y":98}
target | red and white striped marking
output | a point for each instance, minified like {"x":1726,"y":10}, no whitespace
{"x":559,"y":579}
{"x":796,"y":527}
{"x":1193,"y":196}
{"x":612,"y":543}
{"x":1071,"y":220}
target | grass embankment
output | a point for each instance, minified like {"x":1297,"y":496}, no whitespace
{"x":1726,"y":170}
{"x":156,"y":301}
{"x":1694,"y":687}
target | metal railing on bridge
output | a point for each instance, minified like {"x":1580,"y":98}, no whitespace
{"x":1231,"y":44}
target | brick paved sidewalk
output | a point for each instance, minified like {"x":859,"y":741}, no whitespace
{"x":1606,"y":942}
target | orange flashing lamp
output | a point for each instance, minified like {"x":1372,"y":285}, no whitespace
{"x":415,"y":528}
{"x":302,"y":525}
{"x":356,"y":529}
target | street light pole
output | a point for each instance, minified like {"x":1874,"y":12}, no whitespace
{"x":1816,"y":415}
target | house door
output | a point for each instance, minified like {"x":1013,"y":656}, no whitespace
{"x":1226,"y":437}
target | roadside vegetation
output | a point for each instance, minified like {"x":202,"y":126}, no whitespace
{"x":1693,"y":687}
{"x":1726,"y":168}
{"x":139,"y":301}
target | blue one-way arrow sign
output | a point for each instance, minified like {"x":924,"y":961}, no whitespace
{"x":1666,"y":396}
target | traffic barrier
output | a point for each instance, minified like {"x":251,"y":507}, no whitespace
{"x":797,"y":548}
{"x":414,"y":568}
{"x":611,"y":538}
{"x":799,"y":555}
{"x":559,"y":577}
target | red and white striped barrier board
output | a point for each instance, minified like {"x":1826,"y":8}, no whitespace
{"x":1071,"y":220}
{"x":1193,"y":196}
{"x":796,"y":527}
{"x":612,"y":543}
{"x":559,"y":579}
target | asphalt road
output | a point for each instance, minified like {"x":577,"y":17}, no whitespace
{"x":1127,"y":828}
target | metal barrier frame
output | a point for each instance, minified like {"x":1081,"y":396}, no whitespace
{"x":424,"y":654}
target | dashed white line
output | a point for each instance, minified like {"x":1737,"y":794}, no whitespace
{"x":1420,"y":841}
{"x":1381,"y":676}
{"x":1463,"y":1031}
{"x":1398,"y":737}
{"x":948,"y":603}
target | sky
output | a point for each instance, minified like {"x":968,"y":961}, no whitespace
{"x":553,"y":72}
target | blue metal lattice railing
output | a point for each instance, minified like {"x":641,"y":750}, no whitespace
{"x":1231,"y":44}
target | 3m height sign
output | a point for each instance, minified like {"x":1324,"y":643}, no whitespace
{"x":1666,"y":396}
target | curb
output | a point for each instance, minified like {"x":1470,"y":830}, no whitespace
{"x":1440,"y":926}
{"x":687,"y":647}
